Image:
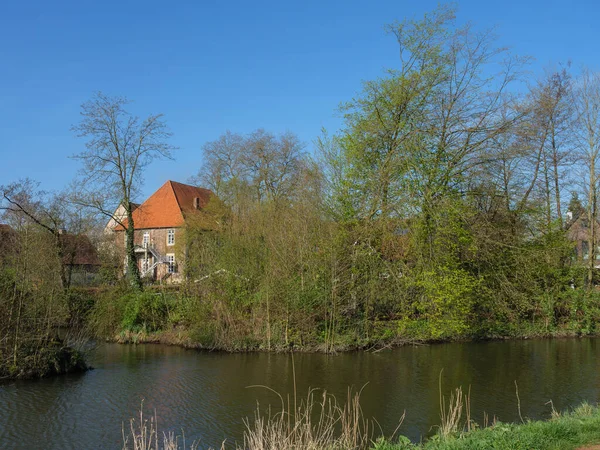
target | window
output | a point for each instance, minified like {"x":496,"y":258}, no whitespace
{"x":171,"y":263}
{"x":170,"y":237}
{"x":146,"y":239}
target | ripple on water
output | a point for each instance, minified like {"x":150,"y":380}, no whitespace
{"x":206,"y":394}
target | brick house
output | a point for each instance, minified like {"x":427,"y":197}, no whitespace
{"x":158,"y":226}
{"x":578,"y":231}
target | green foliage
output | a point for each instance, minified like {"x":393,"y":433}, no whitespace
{"x":568,"y":431}
{"x":147,"y":310}
{"x":433,"y":214}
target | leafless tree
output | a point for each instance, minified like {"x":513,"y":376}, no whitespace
{"x":119,"y":146}
{"x":265,"y":166}
{"x":586,"y":101}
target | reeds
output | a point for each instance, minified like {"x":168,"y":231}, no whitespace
{"x":318,"y":422}
{"x":144,"y":435}
{"x":451,"y":414}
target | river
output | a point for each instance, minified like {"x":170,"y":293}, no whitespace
{"x":207,"y":394}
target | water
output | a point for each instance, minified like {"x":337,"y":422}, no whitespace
{"x":207,"y":394}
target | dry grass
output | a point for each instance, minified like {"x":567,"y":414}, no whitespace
{"x":317,"y":422}
{"x":451,"y":414}
{"x":144,"y":435}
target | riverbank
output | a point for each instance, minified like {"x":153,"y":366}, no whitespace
{"x":183,"y":337}
{"x":178,"y":316}
{"x":568,"y":431}
{"x":41,"y":361}
{"x":578,"y":429}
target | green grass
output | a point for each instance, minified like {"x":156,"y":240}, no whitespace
{"x":564,"y":432}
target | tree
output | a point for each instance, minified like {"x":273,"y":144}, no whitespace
{"x":118,"y":148}
{"x":24,"y":205}
{"x":586,"y":102}
{"x":551,"y":118}
{"x":260,"y":167}
{"x":414,"y":138}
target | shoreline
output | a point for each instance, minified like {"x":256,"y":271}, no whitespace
{"x":181,"y":338}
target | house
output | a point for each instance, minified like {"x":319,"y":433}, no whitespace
{"x":118,"y":216}
{"x":158,"y":226}
{"x":578,"y":231}
{"x":80,"y":259}
{"x":79,"y":256}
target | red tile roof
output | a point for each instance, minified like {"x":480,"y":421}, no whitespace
{"x":167,"y":207}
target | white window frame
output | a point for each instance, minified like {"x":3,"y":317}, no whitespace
{"x":171,"y":264}
{"x":171,"y":237}
{"x":146,"y":239}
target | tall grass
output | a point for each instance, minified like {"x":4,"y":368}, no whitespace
{"x":316,"y":422}
{"x":451,"y":413}
{"x":144,"y":435}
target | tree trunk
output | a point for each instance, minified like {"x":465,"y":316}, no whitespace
{"x":133,"y":273}
{"x":592,"y":223}
{"x":556,"y":179}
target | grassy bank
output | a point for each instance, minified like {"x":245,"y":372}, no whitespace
{"x":566,"y":431}
{"x":320,"y":423}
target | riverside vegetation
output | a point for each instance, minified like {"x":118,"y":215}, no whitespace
{"x":319,"y":422}
{"x":437,"y":212}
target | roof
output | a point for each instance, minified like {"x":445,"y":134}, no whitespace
{"x":168,"y":206}
{"x":79,"y":250}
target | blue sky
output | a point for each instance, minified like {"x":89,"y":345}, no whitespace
{"x":213,"y":66}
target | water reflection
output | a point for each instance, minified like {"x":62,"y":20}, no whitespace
{"x":207,"y":394}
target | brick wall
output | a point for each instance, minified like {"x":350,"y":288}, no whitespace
{"x":157,"y":240}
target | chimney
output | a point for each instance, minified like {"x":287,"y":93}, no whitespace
{"x":196,"y":202}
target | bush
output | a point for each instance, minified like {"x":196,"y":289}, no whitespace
{"x":146,"y":310}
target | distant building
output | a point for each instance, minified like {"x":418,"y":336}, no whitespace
{"x":80,"y":258}
{"x":158,"y":226}
{"x":578,"y":231}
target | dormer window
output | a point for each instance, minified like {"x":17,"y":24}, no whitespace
{"x":171,"y":237}
{"x":196,"y":202}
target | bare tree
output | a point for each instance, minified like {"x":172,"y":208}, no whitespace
{"x":223,"y":170}
{"x":118,"y":148}
{"x":586,"y":101}
{"x":262,"y":165}
{"x":273,"y":163}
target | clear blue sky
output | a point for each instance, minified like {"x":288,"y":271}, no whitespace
{"x":210,"y":66}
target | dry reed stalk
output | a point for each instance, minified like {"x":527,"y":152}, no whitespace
{"x":145,"y":435}
{"x":452,"y":413}
{"x":317,"y":422}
